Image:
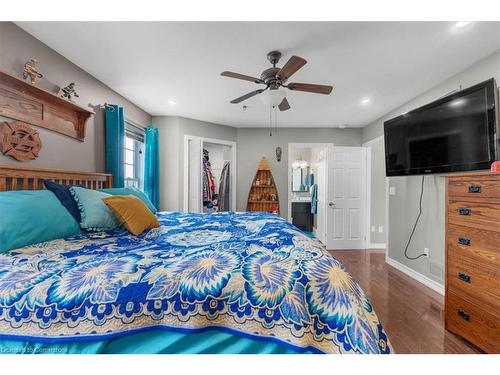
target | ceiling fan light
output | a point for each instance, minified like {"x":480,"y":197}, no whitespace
{"x":272,"y":98}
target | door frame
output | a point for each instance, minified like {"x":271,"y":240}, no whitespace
{"x":233,"y":166}
{"x":369,"y":243}
{"x":364,"y":200}
{"x":328,"y":147}
{"x":187,"y":160}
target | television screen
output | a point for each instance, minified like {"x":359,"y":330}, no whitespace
{"x":455,"y":133}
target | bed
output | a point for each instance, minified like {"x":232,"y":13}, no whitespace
{"x":232,"y":282}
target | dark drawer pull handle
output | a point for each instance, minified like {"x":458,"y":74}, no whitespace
{"x":474,"y":188}
{"x":464,"y":241}
{"x":464,"y":211}
{"x":464,"y":277}
{"x":463,"y":314}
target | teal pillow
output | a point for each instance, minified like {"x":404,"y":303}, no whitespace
{"x":131,"y":191}
{"x":96,"y":216}
{"x":30,"y":217}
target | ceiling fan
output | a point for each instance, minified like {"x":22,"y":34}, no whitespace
{"x":274,"y":78}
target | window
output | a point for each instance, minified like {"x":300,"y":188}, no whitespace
{"x":134,"y":156}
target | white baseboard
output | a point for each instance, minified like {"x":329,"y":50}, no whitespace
{"x":434,"y":285}
{"x":376,"y":246}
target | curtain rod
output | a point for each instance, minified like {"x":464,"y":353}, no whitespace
{"x":133,"y":123}
{"x":127,"y":119}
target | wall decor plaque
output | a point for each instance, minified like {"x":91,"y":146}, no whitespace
{"x":19,"y":141}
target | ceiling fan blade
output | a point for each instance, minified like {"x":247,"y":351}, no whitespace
{"x":309,"y":87}
{"x":241,"y":76}
{"x":284,"y":105}
{"x":292,"y":65}
{"x":246,"y":96}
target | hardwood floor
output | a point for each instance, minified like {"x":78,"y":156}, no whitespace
{"x":411,"y":314}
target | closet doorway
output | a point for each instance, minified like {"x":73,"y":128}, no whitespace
{"x":209,"y":174}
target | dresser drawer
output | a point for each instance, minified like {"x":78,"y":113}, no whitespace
{"x":481,"y":215}
{"x":482,"y":246}
{"x":473,"y":281}
{"x":474,"y":188}
{"x":473,"y":323}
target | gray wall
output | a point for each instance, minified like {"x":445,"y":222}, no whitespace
{"x":254,"y":143}
{"x":171,"y":138}
{"x":377,"y":192}
{"x":403,"y":207}
{"x":59,"y":151}
{"x":168,"y":131}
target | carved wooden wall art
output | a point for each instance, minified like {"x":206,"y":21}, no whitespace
{"x":22,"y":101}
{"x":19,"y":141}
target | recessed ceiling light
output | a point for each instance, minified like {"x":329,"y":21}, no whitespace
{"x":172,"y":102}
{"x":365,"y":100}
{"x":462,"y":24}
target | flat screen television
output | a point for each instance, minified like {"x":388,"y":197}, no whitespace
{"x":455,"y":133}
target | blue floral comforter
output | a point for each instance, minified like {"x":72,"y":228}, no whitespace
{"x":250,"y":274}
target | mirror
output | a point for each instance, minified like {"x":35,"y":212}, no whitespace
{"x":299,"y":176}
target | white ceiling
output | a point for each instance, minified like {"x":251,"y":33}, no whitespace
{"x":154,"y":63}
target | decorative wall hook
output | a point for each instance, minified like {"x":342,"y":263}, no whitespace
{"x":279,"y":152}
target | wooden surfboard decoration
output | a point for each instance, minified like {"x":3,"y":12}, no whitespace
{"x":263,"y":195}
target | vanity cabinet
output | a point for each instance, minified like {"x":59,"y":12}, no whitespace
{"x":302,"y":217}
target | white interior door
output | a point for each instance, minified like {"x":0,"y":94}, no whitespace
{"x":194,"y":173}
{"x":346,"y":198}
{"x":322,"y":195}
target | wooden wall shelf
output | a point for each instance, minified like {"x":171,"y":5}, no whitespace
{"x":22,"y":101}
{"x":263,"y":195}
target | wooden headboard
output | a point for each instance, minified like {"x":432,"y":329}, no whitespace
{"x":14,"y":177}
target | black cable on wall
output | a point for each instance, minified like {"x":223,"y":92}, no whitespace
{"x":416,"y":223}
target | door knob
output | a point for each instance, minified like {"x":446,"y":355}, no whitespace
{"x":331,"y":204}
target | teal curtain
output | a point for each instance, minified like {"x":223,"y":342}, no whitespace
{"x":151,"y":168}
{"x":115,"y":138}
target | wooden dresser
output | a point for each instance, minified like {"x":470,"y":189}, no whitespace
{"x":473,"y":258}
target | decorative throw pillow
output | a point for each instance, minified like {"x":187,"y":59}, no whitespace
{"x":96,"y":216}
{"x":30,"y":217}
{"x":63,"y":194}
{"x":132,"y":212}
{"x":131,"y":191}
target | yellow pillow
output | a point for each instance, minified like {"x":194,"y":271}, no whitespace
{"x":132,"y":212}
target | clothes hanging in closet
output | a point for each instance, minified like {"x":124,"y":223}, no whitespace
{"x":208,"y":179}
{"x":224,"y":188}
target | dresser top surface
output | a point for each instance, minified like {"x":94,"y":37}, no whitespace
{"x":484,"y":174}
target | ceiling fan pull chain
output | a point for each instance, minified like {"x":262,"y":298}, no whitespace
{"x":276,"y":120}
{"x":270,"y":122}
